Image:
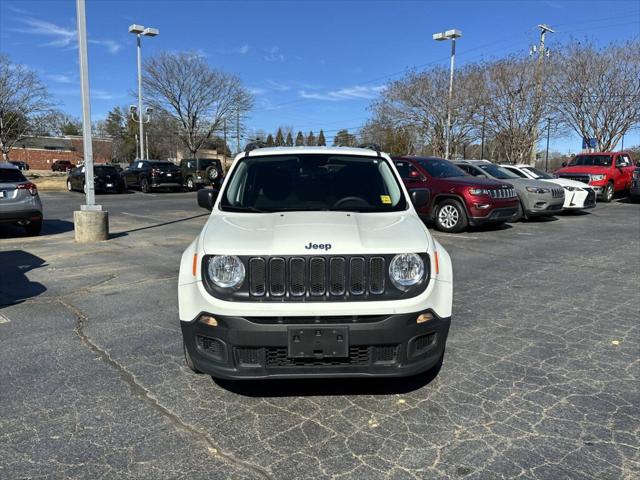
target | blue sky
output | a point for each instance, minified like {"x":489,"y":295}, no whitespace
{"x":310,"y":64}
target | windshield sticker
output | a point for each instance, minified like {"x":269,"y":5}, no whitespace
{"x":386,"y":199}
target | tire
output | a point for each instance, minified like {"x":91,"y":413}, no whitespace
{"x":69,"y":187}
{"x":191,"y":185}
{"x":84,"y":187}
{"x":451,"y":216}
{"x":144,"y":186}
{"x":188,"y":360}
{"x":607,"y":195}
{"x":519,"y":215}
{"x":33,"y":228}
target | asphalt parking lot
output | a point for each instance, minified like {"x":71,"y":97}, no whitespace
{"x":541,"y":378}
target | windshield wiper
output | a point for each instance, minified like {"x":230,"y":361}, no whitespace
{"x":231,"y":208}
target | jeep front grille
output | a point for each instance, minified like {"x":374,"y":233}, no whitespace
{"x":502,"y":193}
{"x":331,"y":277}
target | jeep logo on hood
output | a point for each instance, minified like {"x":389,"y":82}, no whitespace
{"x":318,"y":246}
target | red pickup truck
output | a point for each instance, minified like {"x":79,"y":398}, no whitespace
{"x":457,"y":200}
{"x":606,"y":172}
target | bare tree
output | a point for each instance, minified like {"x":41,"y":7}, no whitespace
{"x":597,"y":90}
{"x":391,"y":139}
{"x":419,"y":102}
{"x":23,"y":98}
{"x":196,"y":96}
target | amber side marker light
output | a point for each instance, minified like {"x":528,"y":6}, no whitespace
{"x":424,"y":317}
{"x":195,"y":263}
{"x":208,"y":320}
{"x":436,"y":260}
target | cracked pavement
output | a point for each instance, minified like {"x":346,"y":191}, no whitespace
{"x":541,"y":377}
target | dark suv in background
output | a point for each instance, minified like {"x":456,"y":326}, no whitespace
{"x":106,"y":178}
{"x":151,"y":174}
{"x":457,"y":199}
{"x":197,"y":172}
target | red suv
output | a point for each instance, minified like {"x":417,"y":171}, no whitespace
{"x":457,"y":199}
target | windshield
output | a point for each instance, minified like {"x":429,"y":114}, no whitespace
{"x":313,"y":182}
{"x":441,"y":168}
{"x":164,"y":166}
{"x":592,"y":160}
{"x":11,"y":175}
{"x":104,"y":170}
{"x":497,"y":172}
{"x":538,"y":173}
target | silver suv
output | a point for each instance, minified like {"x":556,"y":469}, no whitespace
{"x":19,"y":200}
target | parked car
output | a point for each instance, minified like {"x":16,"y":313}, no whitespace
{"x":19,"y":200}
{"x":152,"y":174}
{"x":635,"y":185}
{"x":19,"y":164}
{"x":314,"y":263}
{"x":577,"y":195}
{"x":61,"y":166}
{"x":197,"y":172}
{"x":105,"y":179}
{"x":537,"y":197}
{"x":457,"y":199}
{"x":605,"y":172}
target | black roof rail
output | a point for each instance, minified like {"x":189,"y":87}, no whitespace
{"x":371,"y":146}
{"x":254,"y":145}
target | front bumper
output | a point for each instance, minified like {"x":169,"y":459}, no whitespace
{"x":257,"y":347}
{"x":580,"y":199}
{"x":496,"y":215}
{"x":543,"y":204}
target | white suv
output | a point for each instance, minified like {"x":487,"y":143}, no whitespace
{"x":314,"y":263}
{"x":577,"y":196}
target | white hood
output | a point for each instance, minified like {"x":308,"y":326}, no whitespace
{"x":565,"y":182}
{"x":290,"y":233}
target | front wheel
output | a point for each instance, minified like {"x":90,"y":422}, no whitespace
{"x":191,"y":184}
{"x":144,"y":186}
{"x":451,"y":217}
{"x":607,"y":195}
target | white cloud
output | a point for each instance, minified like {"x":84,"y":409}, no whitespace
{"x":273,"y":55}
{"x":281,"y":87}
{"x":61,"y":78}
{"x":239,"y":50}
{"x":348,"y":93}
{"x":62,"y":36}
{"x":257,"y":91}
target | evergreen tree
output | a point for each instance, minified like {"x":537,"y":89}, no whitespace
{"x":322,"y":142}
{"x":344,"y":139}
{"x":311,"y":139}
{"x":299,"y":139}
{"x":279,"y":138}
{"x":289,"y":141}
{"x":270,"y":142}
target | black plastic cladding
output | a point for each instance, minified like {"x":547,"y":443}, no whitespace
{"x":319,"y":282}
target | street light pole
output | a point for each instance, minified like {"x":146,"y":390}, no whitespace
{"x":546,"y":157}
{"x":449,"y":35}
{"x":139,"y":31}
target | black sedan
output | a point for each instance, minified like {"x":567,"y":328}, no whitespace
{"x":105,"y":179}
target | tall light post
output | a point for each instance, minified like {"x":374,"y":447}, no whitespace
{"x":439,"y":37}
{"x":139,"y":31}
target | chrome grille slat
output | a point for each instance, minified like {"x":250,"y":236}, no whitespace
{"x":500,"y":193}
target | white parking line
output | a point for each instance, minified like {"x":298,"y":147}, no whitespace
{"x":4,"y":319}
{"x":465,"y":237}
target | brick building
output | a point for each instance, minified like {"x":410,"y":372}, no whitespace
{"x":40,"y":152}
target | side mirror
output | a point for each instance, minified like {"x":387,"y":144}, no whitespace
{"x":564,"y":164}
{"x":207,"y":197}
{"x":420,"y":197}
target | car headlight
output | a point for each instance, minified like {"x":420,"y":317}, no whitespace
{"x":597,"y":177}
{"x":406,"y":270}
{"x":478,"y":191}
{"x":226,"y":271}
{"x":537,"y":190}
{"x":570,"y":189}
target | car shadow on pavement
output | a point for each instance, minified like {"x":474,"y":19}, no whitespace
{"x":124,"y":233}
{"x":49,"y":227}
{"x":15,"y":287}
{"x":328,"y":386}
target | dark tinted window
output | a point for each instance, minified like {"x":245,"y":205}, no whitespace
{"x":592,"y":160}
{"x":517,"y":172}
{"x":497,"y":172}
{"x":407,"y":171}
{"x":162,"y":165}
{"x":104,"y":170}
{"x":11,"y":175}
{"x":470,"y":170}
{"x":441,"y":168}
{"x":313,"y":182}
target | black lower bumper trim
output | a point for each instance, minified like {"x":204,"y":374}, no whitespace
{"x":238,"y":348}
{"x":12,"y":217}
{"x":497,"y":215}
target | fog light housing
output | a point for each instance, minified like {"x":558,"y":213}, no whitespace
{"x":208,"y":320}
{"x":424,"y":317}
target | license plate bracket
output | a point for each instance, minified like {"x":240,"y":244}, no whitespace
{"x":318,"y":342}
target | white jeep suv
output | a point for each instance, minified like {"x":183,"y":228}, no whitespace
{"x":314,"y":263}
{"x":577,"y":196}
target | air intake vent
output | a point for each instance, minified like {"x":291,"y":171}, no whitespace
{"x":278,"y":283}
{"x":358,"y":279}
{"x":317,"y":276}
{"x":377,"y":275}
{"x":337,"y":276}
{"x":296,"y":276}
{"x":257,"y":277}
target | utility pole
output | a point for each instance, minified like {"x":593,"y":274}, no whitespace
{"x":224,"y":147}
{"x":482,"y":142}
{"x":237,"y":130}
{"x":544,"y":28}
{"x":146,"y":138}
{"x":546,"y":157}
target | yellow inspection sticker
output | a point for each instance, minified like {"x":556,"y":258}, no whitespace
{"x":385,"y":199}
